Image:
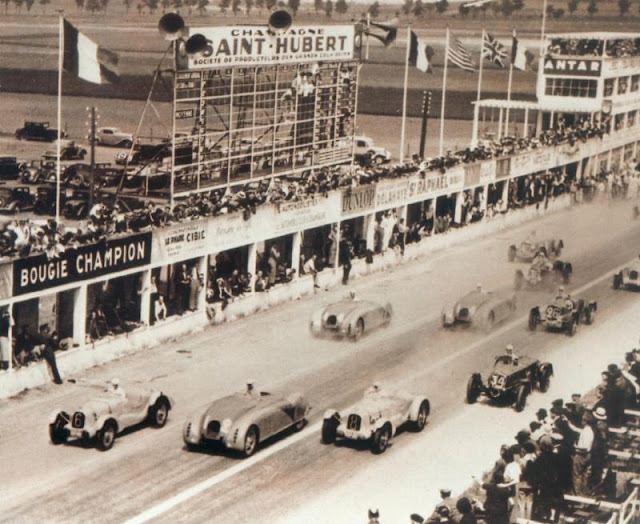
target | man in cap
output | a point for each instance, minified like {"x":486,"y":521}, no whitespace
{"x":252,"y":391}
{"x":446,"y":502}
{"x":524,"y":435}
{"x":599,"y":450}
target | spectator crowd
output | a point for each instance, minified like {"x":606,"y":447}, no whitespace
{"x":616,"y":48}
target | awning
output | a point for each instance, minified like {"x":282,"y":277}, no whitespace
{"x":559,"y":104}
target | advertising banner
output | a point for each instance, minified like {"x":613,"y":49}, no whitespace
{"x":567,"y":153}
{"x":358,"y":199}
{"x":254,"y":45}
{"x":503,"y":168}
{"x":39,"y":272}
{"x":392,"y":192}
{"x":480,"y":173}
{"x":572,"y":67}
{"x":180,"y":242}
{"x":289,"y":217}
{"x":230,"y":231}
{"x":533,"y":161}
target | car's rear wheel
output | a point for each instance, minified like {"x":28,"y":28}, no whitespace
{"x":473,"y":389}
{"x":421,"y":419}
{"x":511,"y":254}
{"x":126,"y":144}
{"x":588,"y":315}
{"x":521,"y":398}
{"x":251,"y":441}
{"x":329,"y":431}
{"x":378,"y":160}
{"x":381,"y":439}
{"x":106,"y":436}
{"x":159,"y":412}
{"x":572,"y":328}
{"x":358,"y":330}
{"x":58,"y":433}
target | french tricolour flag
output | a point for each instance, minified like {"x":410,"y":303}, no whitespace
{"x":86,"y":59}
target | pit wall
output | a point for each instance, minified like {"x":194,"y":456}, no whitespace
{"x":75,"y":360}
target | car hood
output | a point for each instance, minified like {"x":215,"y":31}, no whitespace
{"x":99,"y":405}
{"x":346,"y":307}
{"x":474,"y":299}
{"x":235,"y":406}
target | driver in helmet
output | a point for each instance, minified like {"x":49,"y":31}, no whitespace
{"x":541,"y":261}
{"x":509,"y":355}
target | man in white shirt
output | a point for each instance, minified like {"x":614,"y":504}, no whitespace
{"x":310,"y":269}
{"x":581,"y":471}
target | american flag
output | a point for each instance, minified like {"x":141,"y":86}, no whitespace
{"x":494,"y":51}
{"x":459,"y":55}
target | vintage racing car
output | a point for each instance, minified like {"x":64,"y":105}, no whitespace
{"x":376,"y":418}
{"x":482,"y":308}
{"x":528,"y":249}
{"x":350,"y":317}
{"x":108,"y":414}
{"x":511,"y":380}
{"x":563,"y":314}
{"x":241,"y":421}
{"x":629,"y":277}
{"x":546,"y":276}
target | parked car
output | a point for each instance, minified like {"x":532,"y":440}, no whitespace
{"x":365,"y":151}
{"x":109,"y":414}
{"x":511,"y":380}
{"x":563,"y":314}
{"x":68,"y":151}
{"x":629,"y":277}
{"x":38,"y":131}
{"x":528,"y":249}
{"x":112,"y":136}
{"x":479,"y":308}
{"x":39,"y":172}
{"x":242,"y":421}
{"x":376,"y":418}
{"x":350,"y":317}
{"x":548,"y":277}
{"x":9,"y":168}
{"x":16,"y":199}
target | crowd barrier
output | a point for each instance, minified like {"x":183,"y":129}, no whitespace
{"x":75,"y":360}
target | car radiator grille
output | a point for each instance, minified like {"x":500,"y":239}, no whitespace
{"x":78,"y":420}
{"x":213,"y":428}
{"x":633,"y":275}
{"x":331,"y":321}
{"x":463,"y":314}
{"x":354,"y":422}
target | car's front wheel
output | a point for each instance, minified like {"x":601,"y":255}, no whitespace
{"x":473,"y":389}
{"x":534,"y":318}
{"x":329,"y":431}
{"x":106,"y":436}
{"x":617,"y":281}
{"x":58,"y":433}
{"x":358,"y":330}
{"x":381,"y":439}
{"x":159,"y":412}
{"x":251,"y":441}
{"x":126,"y":144}
{"x":572,"y":328}
{"x":521,"y":398}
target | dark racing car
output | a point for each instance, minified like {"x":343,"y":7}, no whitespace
{"x":511,"y":381}
{"x":563,"y":314}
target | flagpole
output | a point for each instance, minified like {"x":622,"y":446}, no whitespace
{"x":366,"y":54}
{"x":404,"y":95}
{"x":60,"y":64}
{"x":444,"y":91}
{"x":481,"y":62}
{"x":474,"y":133}
{"x":506,"y":126}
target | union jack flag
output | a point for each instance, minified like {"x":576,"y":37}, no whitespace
{"x":494,"y":51}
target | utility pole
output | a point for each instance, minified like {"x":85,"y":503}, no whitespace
{"x":426,"y":109}
{"x":92,"y":141}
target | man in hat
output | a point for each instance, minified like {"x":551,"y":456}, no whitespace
{"x":416,"y":518}
{"x":537,"y":431}
{"x":581,"y":467}
{"x":524,"y":435}
{"x":445,"y":502}
{"x":599,"y":450}
{"x":575,"y":409}
{"x":543,"y":418}
{"x":46,"y":344}
{"x":251,"y":390}
{"x":544,"y":478}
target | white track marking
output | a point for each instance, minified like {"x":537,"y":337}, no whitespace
{"x":189,"y":493}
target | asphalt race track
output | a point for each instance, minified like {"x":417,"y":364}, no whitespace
{"x":149,"y":475}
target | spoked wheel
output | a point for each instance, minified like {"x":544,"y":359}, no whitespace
{"x":573,"y":327}
{"x":423,"y":413}
{"x":381,"y":439}
{"x":473,"y":390}
{"x":251,"y":440}
{"x":106,"y":436}
{"x":358,"y":330}
{"x":521,"y":399}
{"x":159,"y":413}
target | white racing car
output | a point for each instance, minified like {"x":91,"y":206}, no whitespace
{"x":376,"y":418}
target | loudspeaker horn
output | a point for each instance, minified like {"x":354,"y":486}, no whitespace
{"x":171,"y":26}
{"x":389,"y":25}
{"x":280,"y":20}
{"x":196,"y":44}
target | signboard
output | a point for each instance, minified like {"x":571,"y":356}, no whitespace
{"x":358,"y":199}
{"x":572,"y":67}
{"x":567,"y":153}
{"x":533,"y":161}
{"x":391,"y":193}
{"x":180,"y":242}
{"x":503,"y":168}
{"x":86,"y":262}
{"x":231,"y":231}
{"x":290,"y":217}
{"x":481,"y":173}
{"x":255,"y":45}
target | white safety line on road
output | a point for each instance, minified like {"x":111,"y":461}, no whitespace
{"x":196,"y":489}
